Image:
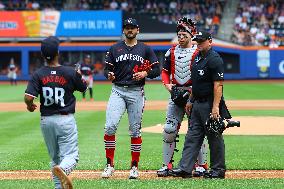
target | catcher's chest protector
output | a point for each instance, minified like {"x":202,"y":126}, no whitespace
{"x":181,"y":60}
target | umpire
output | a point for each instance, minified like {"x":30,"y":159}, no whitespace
{"x":207,"y":88}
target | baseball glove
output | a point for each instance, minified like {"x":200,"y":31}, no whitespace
{"x":145,"y":66}
{"x":179,"y":96}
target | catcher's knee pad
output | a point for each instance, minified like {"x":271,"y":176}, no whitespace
{"x":170,"y":130}
{"x":169,"y":137}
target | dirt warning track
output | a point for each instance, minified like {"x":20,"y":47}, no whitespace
{"x":157,"y":105}
{"x":143,"y":175}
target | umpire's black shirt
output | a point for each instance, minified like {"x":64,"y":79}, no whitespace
{"x":205,"y":70}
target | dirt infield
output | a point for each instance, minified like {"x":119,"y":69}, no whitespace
{"x":143,"y":175}
{"x":158,"y":105}
{"x":249,"y":126}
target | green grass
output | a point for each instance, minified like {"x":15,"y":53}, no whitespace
{"x":22,"y":145}
{"x":154,"y":91}
{"x":146,"y":184}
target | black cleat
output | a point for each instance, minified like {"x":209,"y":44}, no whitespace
{"x":214,"y":174}
{"x":179,"y":173}
{"x":163,"y":172}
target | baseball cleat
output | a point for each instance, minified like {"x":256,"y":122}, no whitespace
{"x":163,"y":172}
{"x":65,"y":181}
{"x":133,"y":173}
{"x":214,"y":174}
{"x":108,"y":171}
{"x":199,"y":170}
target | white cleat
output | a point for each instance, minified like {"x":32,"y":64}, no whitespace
{"x":65,"y":181}
{"x":108,"y":171}
{"x":133,"y":173}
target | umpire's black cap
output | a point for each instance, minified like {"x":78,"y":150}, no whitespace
{"x":202,"y":36}
{"x":49,"y":47}
{"x":87,"y":56}
{"x":130,"y":22}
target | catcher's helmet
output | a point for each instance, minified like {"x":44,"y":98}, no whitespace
{"x":187,"y":25}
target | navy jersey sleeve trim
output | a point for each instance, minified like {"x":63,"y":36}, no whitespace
{"x":109,"y":63}
{"x":28,"y":94}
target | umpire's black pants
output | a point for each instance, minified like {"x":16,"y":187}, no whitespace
{"x":194,"y":138}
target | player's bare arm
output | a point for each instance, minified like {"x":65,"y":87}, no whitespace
{"x":188,"y":105}
{"x":218,"y":86}
{"x":30,"y":104}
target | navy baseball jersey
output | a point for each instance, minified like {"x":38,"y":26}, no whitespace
{"x":87,"y":69}
{"x":55,"y":85}
{"x":122,"y":59}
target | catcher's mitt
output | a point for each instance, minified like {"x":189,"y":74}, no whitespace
{"x":216,"y":127}
{"x":179,"y":96}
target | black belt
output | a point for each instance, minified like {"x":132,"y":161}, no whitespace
{"x":63,"y":113}
{"x":200,"y":100}
{"x":127,"y":86}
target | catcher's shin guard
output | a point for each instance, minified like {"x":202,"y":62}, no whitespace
{"x":168,"y":152}
{"x":170,"y":138}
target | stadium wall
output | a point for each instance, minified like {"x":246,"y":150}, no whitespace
{"x":240,"y":63}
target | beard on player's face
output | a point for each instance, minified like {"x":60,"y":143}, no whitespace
{"x":130,"y":32}
{"x":130,"y":35}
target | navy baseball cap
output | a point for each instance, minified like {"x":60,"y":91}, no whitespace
{"x":202,"y":36}
{"x":49,"y":47}
{"x":131,"y":22}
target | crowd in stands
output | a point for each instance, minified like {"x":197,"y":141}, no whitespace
{"x":257,"y":22}
{"x":207,"y":13}
{"x":31,"y":4}
{"x":260,"y":23}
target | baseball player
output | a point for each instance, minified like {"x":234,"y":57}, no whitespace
{"x":176,"y":71}
{"x":55,"y":84}
{"x":128,"y":63}
{"x":12,"y":72}
{"x":87,"y":70}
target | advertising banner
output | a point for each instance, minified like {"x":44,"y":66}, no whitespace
{"x":90,"y":23}
{"x":263,"y":63}
{"x":12,"y":24}
{"x":49,"y":23}
{"x":277,"y":63}
{"x":64,"y":23}
{"x":32,"y":22}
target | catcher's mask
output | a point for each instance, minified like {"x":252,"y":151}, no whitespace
{"x":214,"y":126}
{"x":187,"y":25}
